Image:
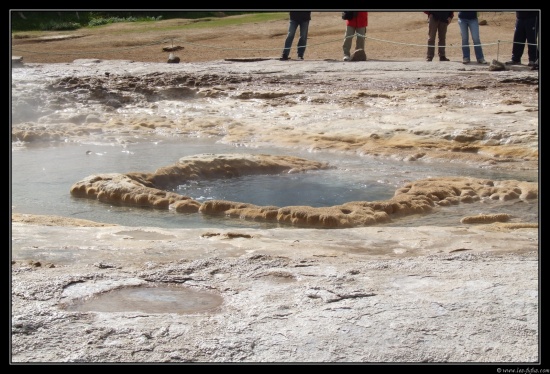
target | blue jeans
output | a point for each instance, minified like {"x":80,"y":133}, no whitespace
{"x":468,"y":26}
{"x":302,"y":42}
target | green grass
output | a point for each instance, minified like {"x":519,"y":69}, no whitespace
{"x":211,"y":22}
{"x":72,"y":20}
{"x":245,"y":18}
{"x":105,"y":21}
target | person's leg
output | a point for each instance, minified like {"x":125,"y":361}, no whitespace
{"x":360,"y":41}
{"x":463,"y":25}
{"x":474,"y":28}
{"x":346,"y":47}
{"x":432,"y":30}
{"x":519,"y":40}
{"x":292,"y":26}
{"x":302,"y":42}
{"x":531,"y":31}
{"x":442,"y":38}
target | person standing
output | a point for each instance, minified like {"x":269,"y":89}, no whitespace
{"x":468,"y":23}
{"x":297,"y":19}
{"x":357,"y":26}
{"x":437,"y":25}
{"x":527,"y":28}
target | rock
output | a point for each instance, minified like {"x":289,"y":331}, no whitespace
{"x":497,"y":66}
{"x":486,"y":218}
{"x":359,"y":55}
{"x":174,"y":60}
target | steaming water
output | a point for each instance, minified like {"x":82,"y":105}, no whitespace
{"x":43,"y":175}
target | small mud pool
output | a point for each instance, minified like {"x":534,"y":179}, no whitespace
{"x":150,"y":300}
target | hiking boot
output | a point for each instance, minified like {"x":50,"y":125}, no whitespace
{"x":443,"y":58}
{"x":301,"y":58}
{"x":531,"y":63}
{"x":465,"y":60}
{"x":481,"y":61}
{"x":512,"y":62}
{"x":429,"y":59}
{"x":283,"y":58}
{"x":346,"y":58}
{"x":535,"y":66}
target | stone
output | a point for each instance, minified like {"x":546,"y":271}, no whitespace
{"x":359,"y":55}
{"x":173,"y":60}
{"x":497,"y":66}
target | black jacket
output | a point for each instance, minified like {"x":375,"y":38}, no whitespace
{"x":300,"y":16}
{"x":467,"y":15}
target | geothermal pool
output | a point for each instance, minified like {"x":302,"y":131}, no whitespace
{"x":43,"y":174}
{"x":97,"y":107}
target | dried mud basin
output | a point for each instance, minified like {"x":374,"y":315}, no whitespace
{"x":365,"y":294}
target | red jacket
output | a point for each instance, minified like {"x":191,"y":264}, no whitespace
{"x":361,"y":19}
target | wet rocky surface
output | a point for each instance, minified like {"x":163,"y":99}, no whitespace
{"x":369,"y":294}
{"x":403,"y":112}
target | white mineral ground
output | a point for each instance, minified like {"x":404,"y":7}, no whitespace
{"x":361,"y":293}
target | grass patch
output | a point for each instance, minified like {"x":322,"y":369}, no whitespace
{"x":232,"y":21}
{"x":58,"y":26}
{"x":105,"y":21}
{"x":73,"y":20}
{"x":207,"y":22}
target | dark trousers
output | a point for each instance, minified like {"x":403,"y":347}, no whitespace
{"x":526,"y":29}
{"x":438,"y":28}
